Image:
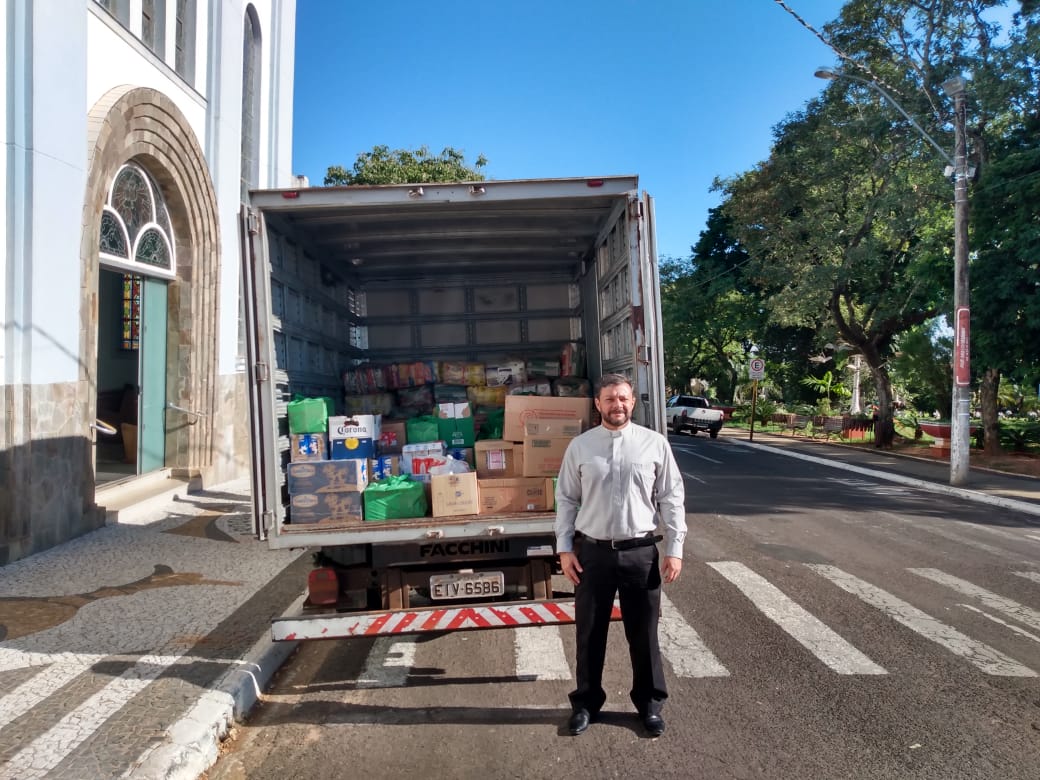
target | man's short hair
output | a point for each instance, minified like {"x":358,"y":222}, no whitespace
{"x":609,"y":380}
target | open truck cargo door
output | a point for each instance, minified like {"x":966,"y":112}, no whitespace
{"x":625,"y":292}
{"x":256,"y":297}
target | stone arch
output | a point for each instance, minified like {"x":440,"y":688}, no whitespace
{"x":141,"y":124}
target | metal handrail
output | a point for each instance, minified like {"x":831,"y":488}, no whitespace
{"x":193,"y":412}
{"x":103,"y":427}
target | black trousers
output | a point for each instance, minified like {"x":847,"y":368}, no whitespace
{"x":636,"y":575}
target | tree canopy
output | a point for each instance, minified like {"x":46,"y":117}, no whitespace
{"x":406,"y":166}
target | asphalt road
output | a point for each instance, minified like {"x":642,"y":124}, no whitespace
{"x":827,"y":625}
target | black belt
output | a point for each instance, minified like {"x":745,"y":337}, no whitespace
{"x":621,"y":544}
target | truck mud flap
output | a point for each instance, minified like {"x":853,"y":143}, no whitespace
{"x":427,"y":620}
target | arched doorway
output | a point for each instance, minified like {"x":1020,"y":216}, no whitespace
{"x":150,"y":212}
{"x":136,"y":254}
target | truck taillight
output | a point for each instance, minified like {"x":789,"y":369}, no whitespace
{"x":322,"y":586}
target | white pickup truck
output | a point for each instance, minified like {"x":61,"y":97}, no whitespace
{"x":693,"y":413}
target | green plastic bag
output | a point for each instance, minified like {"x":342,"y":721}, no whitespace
{"x":422,"y":428}
{"x":308,"y":415}
{"x":494,"y":424}
{"x":395,"y":498}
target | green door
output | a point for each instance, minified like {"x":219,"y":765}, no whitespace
{"x":151,"y":435}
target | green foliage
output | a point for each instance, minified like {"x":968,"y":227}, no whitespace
{"x":405,"y":166}
{"x":827,"y":385}
{"x":1019,"y":435}
{"x":922,"y":361}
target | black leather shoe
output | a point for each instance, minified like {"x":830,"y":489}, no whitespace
{"x":579,"y":722}
{"x":654,"y":725}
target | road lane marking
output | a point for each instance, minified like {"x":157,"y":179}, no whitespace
{"x":48,"y":750}
{"x":683,"y":646}
{"x":1012,"y":609}
{"x":1034,"y":537}
{"x":995,"y":619}
{"x":388,"y":662}
{"x":696,"y":454}
{"x":540,"y":654}
{"x":983,"y":656}
{"x":694,"y":476}
{"x":808,"y":630}
{"x":1029,"y":575}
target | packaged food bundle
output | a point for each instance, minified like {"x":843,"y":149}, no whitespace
{"x":487,"y":396}
{"x":572,"y":359}
{"x":572,"y":387}
{"x":461,"y":373}
{"x":543,"y":367}
{"x":509,"y":372}
{"x":420,"y":397}
{"x":533,"y":386}
{"x":364,"y":379}
{"x":421,"y":372}
{"x":373,"y":403}
{"x":444,"y":394}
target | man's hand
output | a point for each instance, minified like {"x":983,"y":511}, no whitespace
{"x":571,"y":567}
{"x":670,"y":568}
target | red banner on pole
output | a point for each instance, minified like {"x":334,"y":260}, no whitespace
{"x":962,"y":347}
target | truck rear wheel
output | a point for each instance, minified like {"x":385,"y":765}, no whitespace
{"x":677,"y":425}
{"x":714,"y":434}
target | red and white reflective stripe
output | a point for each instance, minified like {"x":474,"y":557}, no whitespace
{"x":417,"y":621}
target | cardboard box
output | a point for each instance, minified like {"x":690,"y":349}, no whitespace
{"x":353,"y":437}
{"x":498,"y":459}
{"x":543,"y":455}
{"x":392,"y":437}
{"x":550,"y":489}
{"x":454,"y":494}
{"x":384,"y":466}
{"x":513,"y":495}
{"x":327,"y":476}
{"x":342,"y":508}
{"x":455,"y":424}
{"x":562,"y":429}
{"x":308,"y":446}
{"x":522,"y":408}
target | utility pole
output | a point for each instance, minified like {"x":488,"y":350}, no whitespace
{"x":960,"y":418}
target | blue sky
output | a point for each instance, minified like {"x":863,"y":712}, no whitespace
{"x":676,"y":91}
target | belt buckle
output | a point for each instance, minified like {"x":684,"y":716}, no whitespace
{"x":615,"y":542}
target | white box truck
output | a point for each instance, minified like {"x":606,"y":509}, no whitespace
{"x":341,"y":277}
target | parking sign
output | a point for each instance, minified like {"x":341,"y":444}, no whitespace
{"x":757,"y":368}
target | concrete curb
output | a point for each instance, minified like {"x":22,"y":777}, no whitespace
{"x":934,"y":487}
{"x":192,"y":744}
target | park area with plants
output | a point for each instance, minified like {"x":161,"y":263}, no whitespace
{"x":833,"y":260}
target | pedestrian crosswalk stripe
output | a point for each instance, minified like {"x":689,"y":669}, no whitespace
{"x":540,"y":654}
{"x":683,"y":647}
{"x":808,"y":630}
{"x":995,"y":619}
{"x":45,"y":752}
{"x":1012,"y":609}
{"x":40,"y":686}
{"x":1029,"y":575}
{"x":388,"y":662}
{"x":981,"y":655}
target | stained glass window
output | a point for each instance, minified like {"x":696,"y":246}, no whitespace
{"x":131,"y":312}
{"x":135,"y":225}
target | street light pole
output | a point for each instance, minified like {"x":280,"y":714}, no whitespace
{"x":960,"y":418}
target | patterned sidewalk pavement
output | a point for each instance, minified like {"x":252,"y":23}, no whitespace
{"x":129,"y":651}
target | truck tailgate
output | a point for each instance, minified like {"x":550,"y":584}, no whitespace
{"x":418,"y":529}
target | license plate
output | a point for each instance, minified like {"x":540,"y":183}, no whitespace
{"x":469,"y":585}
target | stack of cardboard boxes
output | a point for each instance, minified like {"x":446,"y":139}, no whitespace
{"x":330,"y":470}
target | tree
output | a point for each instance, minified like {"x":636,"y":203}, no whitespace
{"x":404,"y":166}
{"x":841,"y":225}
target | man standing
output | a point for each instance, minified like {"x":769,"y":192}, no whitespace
{"x":613,"y":481}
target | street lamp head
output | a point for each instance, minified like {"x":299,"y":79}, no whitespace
{"x":954,"y":86}
{"x":828,"y":74}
